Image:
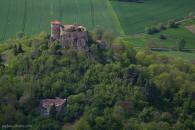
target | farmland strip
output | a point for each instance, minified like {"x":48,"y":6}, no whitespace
{"x":92,"y":13}
{"x":6,"y":24}
{"x":60,"y":10}
{"x":40,"y":28}
{"x":77,"y":12}
{"x":31,"y":18}
{"x":115,"y":17}
{"x":25,"y":13}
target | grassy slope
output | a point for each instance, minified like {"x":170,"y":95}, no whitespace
{"x":134,"y":17}
{"x":34,"y":16}
{"x":188,"y":56}
{"x":173,"y":35}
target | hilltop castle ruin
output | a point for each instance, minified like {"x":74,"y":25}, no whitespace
{"x":69,"y":35}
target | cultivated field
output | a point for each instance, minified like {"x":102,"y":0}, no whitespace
{"x":172,"y":37}
{"x":134,"y":17}
{"x":34,"y":16}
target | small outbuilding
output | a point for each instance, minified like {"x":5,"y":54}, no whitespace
{"x":47,"y":103}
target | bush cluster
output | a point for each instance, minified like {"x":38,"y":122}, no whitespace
{"x":160,"y":27}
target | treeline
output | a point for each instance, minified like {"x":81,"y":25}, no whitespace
{"x":171,"y":24}
{"x":114,"y":88}
{"x":160,"y":27}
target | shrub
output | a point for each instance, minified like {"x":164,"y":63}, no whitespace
{"x":161,"y":26}
{"x":191,"y":15}
{"x":172,"y":24}
{"x":151,"y":30}
{"x":181,"y":44}
{"x":162,"y":36}
{"x":148,"y":30}
{"x":98,"y":33}
{"x":20,"y":35}
{"x":154,"y":29}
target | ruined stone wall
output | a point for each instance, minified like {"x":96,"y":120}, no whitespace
{"x":77,"y":39}
{"x":77,"y":36}
{"x":55,"y":31}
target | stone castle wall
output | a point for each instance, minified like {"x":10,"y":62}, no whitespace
{"x":77,"y":37}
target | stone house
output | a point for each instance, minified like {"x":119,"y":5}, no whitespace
{"x":45,"y":105}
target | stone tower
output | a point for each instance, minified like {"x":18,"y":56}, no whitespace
{"x":55,"y":30}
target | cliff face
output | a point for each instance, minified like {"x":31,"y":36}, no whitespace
{"x":77,"y":39}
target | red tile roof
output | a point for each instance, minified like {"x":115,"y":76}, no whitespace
{"x":56,"y":101}
{"x":55,"y":22}
{"x":68,"y":26}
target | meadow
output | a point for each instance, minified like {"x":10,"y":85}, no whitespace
{"x":134,"y":17}
{"x":173,"y":35}
{"x":34,"y":16}
{"x":187,"y":56}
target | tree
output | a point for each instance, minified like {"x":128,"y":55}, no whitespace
{"x":162,"y":36}
{"x":148,"y":30}
{"x":20,"y":50}
{"x":154,"y":29}
{"x":191,"y":15}
{"x":15,"y":50}
{"x":151,"y":30}
{"x":1,"y":59}
{"x":20,"y":35}
{"x":82,"y":124}
{"x":109,"y":37}
{"x":172,"y":24}
{"x":53,"y":112}
{"x":181,"y":44}
{"x":161,"y":26}
{"x":98,"y":33}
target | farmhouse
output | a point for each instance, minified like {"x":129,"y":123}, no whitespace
{"x":47,"y":103}
{"x":70,"y":35}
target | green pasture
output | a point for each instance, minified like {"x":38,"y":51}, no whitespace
{"x":134,"y":17}
{"x":34,"y":16}
{"x":173,"y":35}
{"x":187,"y":56}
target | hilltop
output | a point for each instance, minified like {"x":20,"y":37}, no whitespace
{"x":115,"y":87}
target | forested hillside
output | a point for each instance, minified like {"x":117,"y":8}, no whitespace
{"x":112,"y":88}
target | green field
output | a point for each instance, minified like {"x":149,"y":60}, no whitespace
{"x":187,"y":56}
{"x":134,"y":17}
{"x":172,"y":34}
{"x":34,"y":16}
